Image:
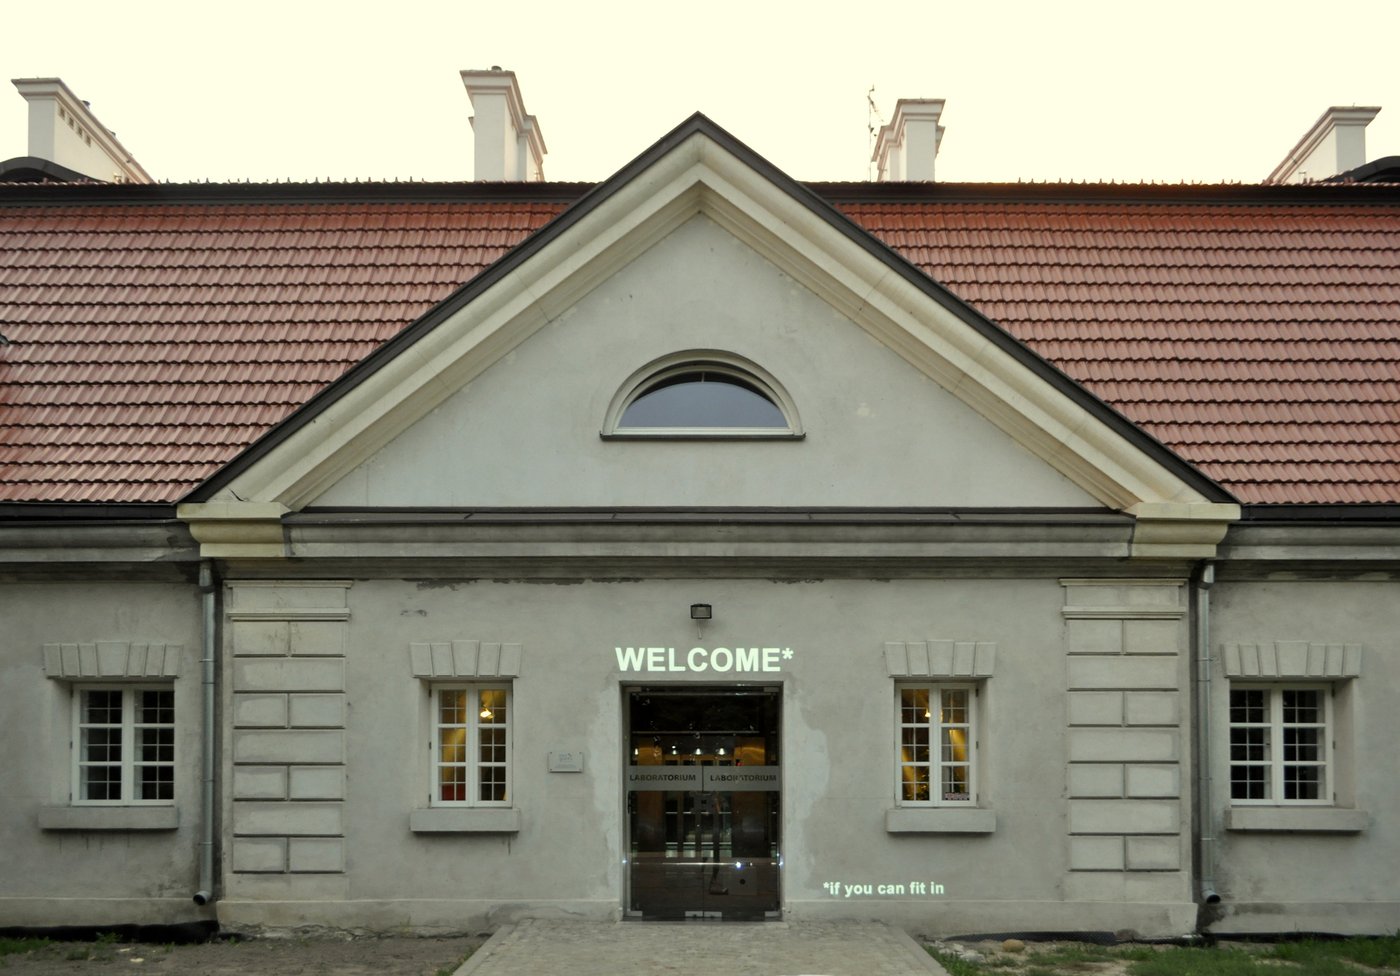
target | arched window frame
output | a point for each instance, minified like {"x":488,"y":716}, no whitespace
{"x":712,"y":361}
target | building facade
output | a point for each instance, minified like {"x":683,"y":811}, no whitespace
{"x":700,"y":555}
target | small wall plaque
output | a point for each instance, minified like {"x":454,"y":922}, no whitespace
{"x":566,"y":762}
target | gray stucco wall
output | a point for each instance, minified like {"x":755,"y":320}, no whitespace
{"x":75,"y":866}
{"x":838,"y":759}
{"x":1329,"y":868}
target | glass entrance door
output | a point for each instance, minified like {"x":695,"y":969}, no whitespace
{"x":703,"y":788}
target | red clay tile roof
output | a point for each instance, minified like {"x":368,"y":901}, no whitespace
{"x":150,"y":343}
{"x":1260,"y":342}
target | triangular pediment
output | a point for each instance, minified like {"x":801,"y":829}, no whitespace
{"x":699,"y":181}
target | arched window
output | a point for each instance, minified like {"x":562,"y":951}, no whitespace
{"x":701,"y":395}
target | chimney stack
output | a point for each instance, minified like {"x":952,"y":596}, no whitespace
{"x":508,"y":143}
{"x":63,"y":130}
{"x":905,"y":148}
{"x":1336,"y":143}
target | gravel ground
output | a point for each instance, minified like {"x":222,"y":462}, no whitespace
{"x":264,"y":956}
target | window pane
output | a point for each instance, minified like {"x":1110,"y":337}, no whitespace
{"x":1249,"y":745}
{"x":102,"y":707}
{"x":453,"y":745}
{"x":157,"y":782}
{"x":1302,"y":783}
{"x":157,"y":708}
{"x":454,"y":784}
{"x":102,"y":745}
{"x":102,"y":783}
{"x":913,"y":705}
{"x":702,"y":399}
{"x":954,"y":711}
{"x":1247,"y":705}
{"x":916,"y":784}
{"x":493,"y":706}
{"x":1301,"y":707}
{"x":955,"y":745}
{"x":493,"y":783}
{"x":1249,"y":782}
{"x":453,"y":709}
{"x":955,"y":783}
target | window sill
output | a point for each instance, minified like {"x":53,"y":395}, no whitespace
{"x":940,"y":820}
{"x":465,"y":820}
{"x":108,"y":818}
{"x":1303,"y":820}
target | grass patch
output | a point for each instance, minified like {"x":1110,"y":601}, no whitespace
{"x":16,"y":947}
{"x":452,"y":967}
{"x":1382,"y":954}
{"x":1340,"y":957}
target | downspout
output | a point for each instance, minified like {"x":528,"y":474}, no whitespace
{"x":208,"y":592}
{"x":1205,"y":806}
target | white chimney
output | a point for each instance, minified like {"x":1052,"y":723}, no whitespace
{"x":906,"y":147}
{"x":63,"y":130}
{"x":509,"y":145}
{"x":1335,"y":144}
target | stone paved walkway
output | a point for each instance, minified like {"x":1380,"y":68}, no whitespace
{"x":564,"y":948}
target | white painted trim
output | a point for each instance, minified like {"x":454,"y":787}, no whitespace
{"x":700,"y":359}
{"x":291,"y":613}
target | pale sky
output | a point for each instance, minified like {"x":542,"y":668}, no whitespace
{"x":304,"y":89}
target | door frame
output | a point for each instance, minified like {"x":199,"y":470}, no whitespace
{"x":775,"y":689}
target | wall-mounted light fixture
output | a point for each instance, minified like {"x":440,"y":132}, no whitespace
{"x":700,"y":611}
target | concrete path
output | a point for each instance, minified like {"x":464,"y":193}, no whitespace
{"x":565,"y":948}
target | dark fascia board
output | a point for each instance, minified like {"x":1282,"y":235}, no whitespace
{"x":808,"y":196}
{"x":587,"y":514}
{"x":1377,"y":513}
{"x":68,"y":512}
{"x":87,"y":192}
{"x":1238,"y":194}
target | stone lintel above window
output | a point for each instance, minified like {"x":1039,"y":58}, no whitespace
{"x":1291,"y":661}
{"x":941,"y":659}
{"x":443,"y":660}
{"x":112,"y":661}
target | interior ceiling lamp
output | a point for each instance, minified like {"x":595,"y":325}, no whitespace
{"x":700,"y":611}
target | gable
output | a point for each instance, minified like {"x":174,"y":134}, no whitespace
{"x":526,"y":431}
{"x":698,"y":169}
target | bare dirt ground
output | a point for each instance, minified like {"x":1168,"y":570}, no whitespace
{"x":265,"y":957}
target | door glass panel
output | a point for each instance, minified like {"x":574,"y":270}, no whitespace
{"x":703,"y":790}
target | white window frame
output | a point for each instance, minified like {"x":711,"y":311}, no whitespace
{"x":128,"y":761}
{"x":472,"y":764}
{"x":1276,"y":762}
{"x":935,"y":727}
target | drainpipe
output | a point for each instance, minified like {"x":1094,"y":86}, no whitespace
{"x":208,"y":592}
{"x":1205,"y":806}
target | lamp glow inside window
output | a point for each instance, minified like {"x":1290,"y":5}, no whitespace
{"x":471,"y":741}
{"x":709,"y":398}
{"x":936,"y":742}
